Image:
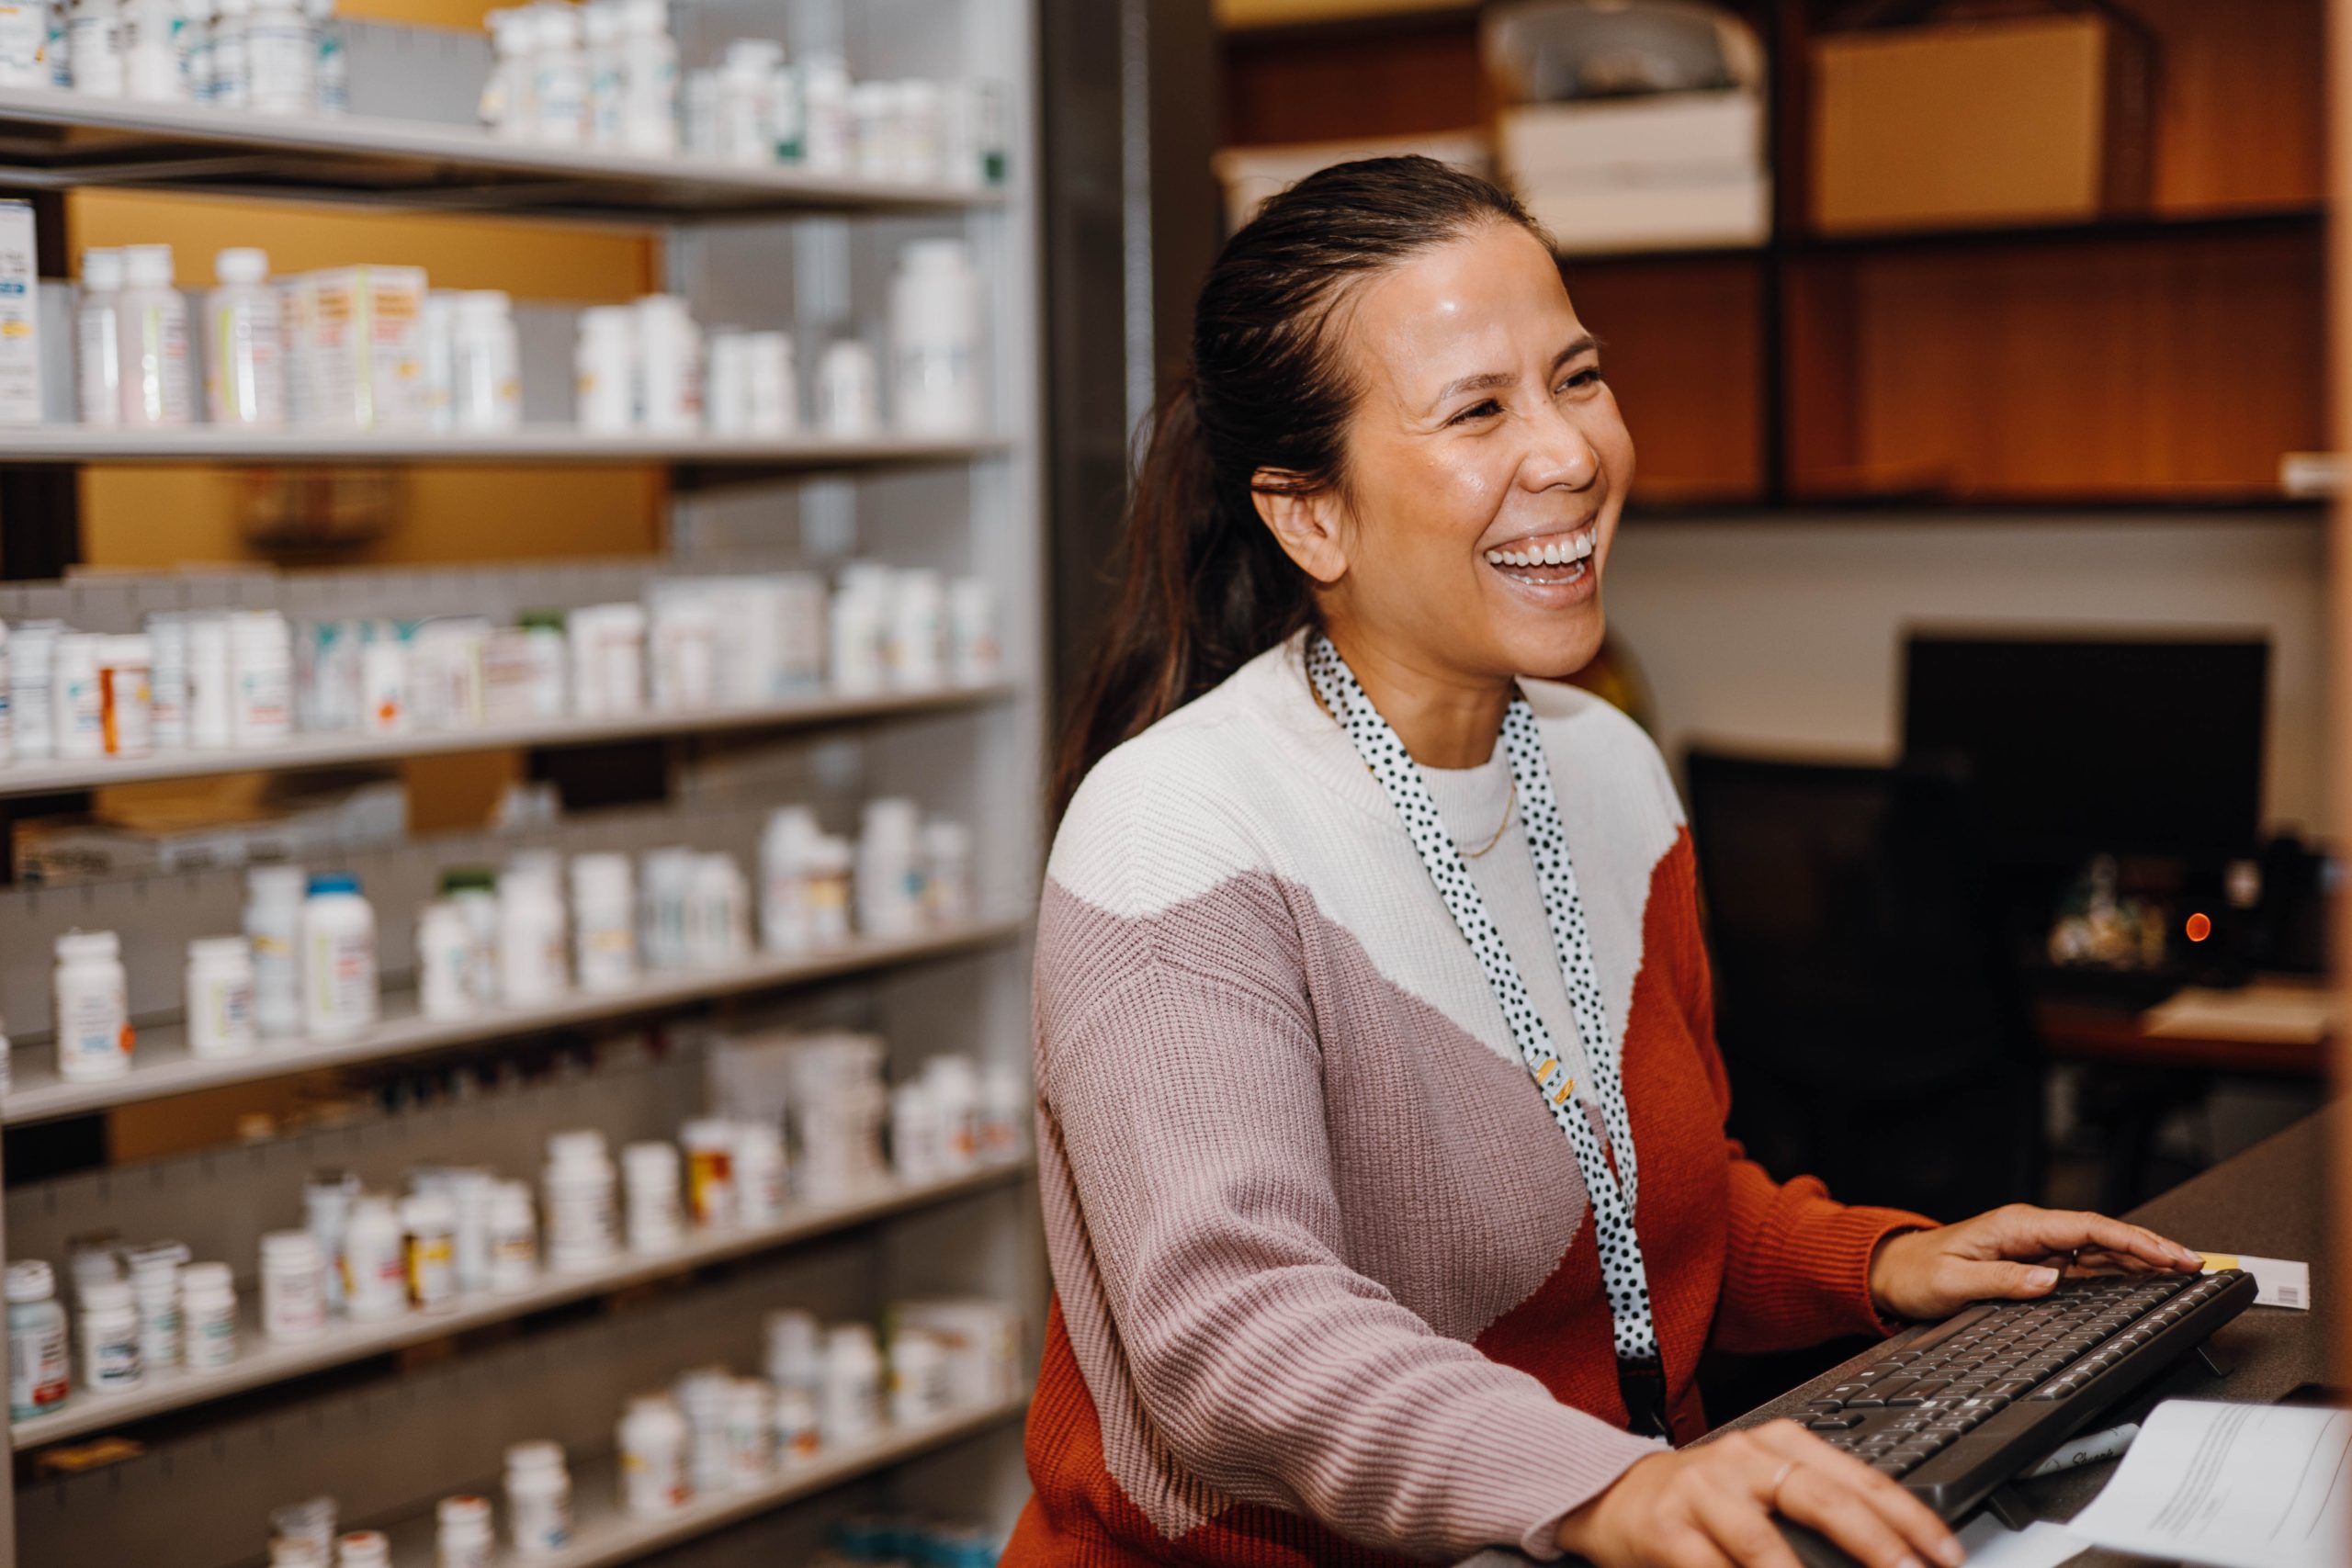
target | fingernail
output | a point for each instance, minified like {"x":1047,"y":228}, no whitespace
{"x":1952,"y":1551}
{"x":2042,"y":1278}
{"x":2189,"y":1254}
{"x":1910,"y":1562}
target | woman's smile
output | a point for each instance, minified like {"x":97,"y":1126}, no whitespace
{"x":1555,"y":569}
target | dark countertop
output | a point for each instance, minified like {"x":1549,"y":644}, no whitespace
{"x":2269,"y":1202}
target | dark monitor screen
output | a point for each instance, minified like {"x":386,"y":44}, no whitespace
{"x":2080,"y":746}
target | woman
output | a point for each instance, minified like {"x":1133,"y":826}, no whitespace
{"x":1385,"y":1183}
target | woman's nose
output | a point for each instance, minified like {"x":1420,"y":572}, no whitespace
{"x":1560,"y":454}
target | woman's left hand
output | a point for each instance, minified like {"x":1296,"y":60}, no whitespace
{"x":2017,"y":1252}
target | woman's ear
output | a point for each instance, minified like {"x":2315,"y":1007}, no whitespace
{"x":1306,"y":523}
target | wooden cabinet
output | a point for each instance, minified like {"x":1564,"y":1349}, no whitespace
{"x":2162,"y":358}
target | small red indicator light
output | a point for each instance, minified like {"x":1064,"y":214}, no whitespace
{"x":2199,"y":928}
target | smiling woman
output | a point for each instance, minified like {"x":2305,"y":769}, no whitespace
{"x":1383,"y":1163}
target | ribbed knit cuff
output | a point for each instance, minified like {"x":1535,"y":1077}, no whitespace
{"x":1846,"y":1244}
{"x":1518,"y":1471}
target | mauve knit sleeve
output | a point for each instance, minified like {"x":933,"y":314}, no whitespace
{"x":1189,"y":1107}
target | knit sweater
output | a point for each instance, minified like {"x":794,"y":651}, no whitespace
{"x":1325,"y":1287}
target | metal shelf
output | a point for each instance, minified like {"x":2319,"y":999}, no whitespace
{"x":603,"y":1534}
{"x":337,"y":749}
{"x":267,"y":1362}
{"x":163,"y":1066}
{"x":52,"y":140}
{"x":540,"y":444}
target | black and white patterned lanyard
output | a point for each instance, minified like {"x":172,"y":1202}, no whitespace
{"x":1622,"y":1272}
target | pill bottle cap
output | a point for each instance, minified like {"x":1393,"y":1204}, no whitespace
{"x":101,"y":269}
{"x":86,"y":946}
{"x":148,"y":266}
{"x":241,"y":264}
{"x":32,"y":1280}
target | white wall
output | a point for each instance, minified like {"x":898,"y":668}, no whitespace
{"x":1786,"y":635}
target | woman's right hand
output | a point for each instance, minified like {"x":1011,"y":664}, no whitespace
{"x":1712,"y":1507}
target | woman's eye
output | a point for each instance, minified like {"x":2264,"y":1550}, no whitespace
{"x":1588,"y":377}
{"x":1477,"y":410}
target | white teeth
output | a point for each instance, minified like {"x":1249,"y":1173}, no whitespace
{"x":1571,"y":550}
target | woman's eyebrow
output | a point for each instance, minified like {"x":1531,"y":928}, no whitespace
{"x":1493,"y":380}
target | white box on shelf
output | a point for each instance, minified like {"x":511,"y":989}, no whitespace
{"x":1726,"y":211}
{"x":20,"y":316}
{"x":1250,"y":175}
{"x":1642,"y":138}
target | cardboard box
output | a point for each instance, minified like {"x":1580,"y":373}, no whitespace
{"x":2030,"y":119}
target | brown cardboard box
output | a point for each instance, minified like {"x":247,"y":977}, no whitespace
{"x":2022,"y":120}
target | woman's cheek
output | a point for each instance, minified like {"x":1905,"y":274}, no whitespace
{"x":1466,"y":484}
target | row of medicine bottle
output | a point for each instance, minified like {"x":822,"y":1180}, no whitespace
{"x":304,"y":967}
{"x":650,"y":367}
{"x":138,"y":1311}
{"x":204,"y":682}
{"x":281,"y":57}
{"x":460,"y":1231}
{"x":249,"y":679}
{"x":339,"y":349}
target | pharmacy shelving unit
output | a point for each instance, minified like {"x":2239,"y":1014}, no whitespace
{"x":390,"y":1416}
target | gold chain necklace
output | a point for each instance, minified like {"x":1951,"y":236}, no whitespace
{"x":1509,"y":800}
{"x":1500,"y":828}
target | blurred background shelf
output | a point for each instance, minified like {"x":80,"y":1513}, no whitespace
{"x":340,"y":749}
{"x":263,"y":1361}
{"x":206,"y":443}
{"x":164,"y":1065}
{"x":603,"y":1534}
{"x":59,"y":141}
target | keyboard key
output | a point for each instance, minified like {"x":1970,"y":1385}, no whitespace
{"x":1833,"y":1423}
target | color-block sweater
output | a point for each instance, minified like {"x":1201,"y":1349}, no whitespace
{"x":1325,"y":1290}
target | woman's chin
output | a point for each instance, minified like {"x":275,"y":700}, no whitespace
{"x":1558,"y":645}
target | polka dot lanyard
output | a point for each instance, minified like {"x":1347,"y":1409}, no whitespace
{"x":1622,"y":1273}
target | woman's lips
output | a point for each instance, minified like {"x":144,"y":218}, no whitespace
{"x":1556,"y":570}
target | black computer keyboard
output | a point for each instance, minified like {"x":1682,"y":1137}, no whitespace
{"x":1995,"y":1387}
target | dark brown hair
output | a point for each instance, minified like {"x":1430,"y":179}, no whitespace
{"x":1205,"y":587}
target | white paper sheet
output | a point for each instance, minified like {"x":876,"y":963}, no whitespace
{"x":2233,"y":1486}
{"x":2278,"y":1281}
{"x":2267,"y":1011}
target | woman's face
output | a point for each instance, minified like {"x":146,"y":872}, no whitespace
{"x":1485,"y":465}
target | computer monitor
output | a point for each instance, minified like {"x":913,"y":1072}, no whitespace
{"x":2080,"y":746}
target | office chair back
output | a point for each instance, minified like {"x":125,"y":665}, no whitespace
{"x":1868,"y":1017}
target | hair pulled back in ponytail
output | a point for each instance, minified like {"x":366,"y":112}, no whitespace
{"x":1204,"y":587}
